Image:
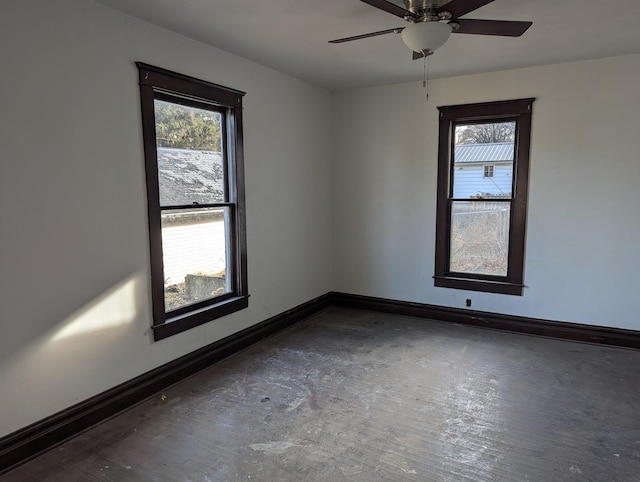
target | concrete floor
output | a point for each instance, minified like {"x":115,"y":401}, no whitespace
{"x":362,"y":396}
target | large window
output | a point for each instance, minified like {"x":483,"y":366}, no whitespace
{"x":483,"y":169}
{"x":192,"y":133}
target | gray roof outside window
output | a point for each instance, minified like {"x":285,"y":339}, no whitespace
{"x":483,"y":153}
{"x":189,"y":176}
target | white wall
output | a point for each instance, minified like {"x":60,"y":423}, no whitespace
{"x":75,"y":304}
{"x":75,"y":301}
{"x":584,"y":223}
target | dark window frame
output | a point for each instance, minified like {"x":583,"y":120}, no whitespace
{"x":520,"y":111}
{"x":488,"y":170}
{"x":163,"y":84}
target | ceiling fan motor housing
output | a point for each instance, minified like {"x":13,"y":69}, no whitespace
{"x":424,"y":8}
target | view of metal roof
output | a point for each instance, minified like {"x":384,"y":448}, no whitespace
{"x":490,"y":152}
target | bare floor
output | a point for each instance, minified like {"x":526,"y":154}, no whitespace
{"x":362,"y":396}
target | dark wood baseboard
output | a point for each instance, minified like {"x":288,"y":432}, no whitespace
{"x":518,"y":324}
{"x":34,"y":439}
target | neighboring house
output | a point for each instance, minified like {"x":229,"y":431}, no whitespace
{"x":483,"y":170}
{"x":187,"y":176}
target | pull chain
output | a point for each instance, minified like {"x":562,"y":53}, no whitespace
{"x":425,"y":76}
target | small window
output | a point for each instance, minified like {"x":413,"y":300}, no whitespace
{"x":192,"y":133}
{"x":483,"y":169}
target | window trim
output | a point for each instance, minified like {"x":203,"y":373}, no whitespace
{"x":164,"y":83}
{"x":519,"y":110}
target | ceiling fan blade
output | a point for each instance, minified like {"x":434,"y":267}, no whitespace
{"x":505,"y":28}
{"x":391,"y":8}
{"x":366,"y":35}
{"x":458,"y":8}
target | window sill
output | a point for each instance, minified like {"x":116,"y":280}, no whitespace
{"x":178,"y":324}
{"x":486,"y":286}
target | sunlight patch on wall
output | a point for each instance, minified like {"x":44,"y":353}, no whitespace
{"x":116,"y":307}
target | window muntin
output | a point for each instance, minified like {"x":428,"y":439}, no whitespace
{"x":193,"y":155}
{"x":481,"y":219}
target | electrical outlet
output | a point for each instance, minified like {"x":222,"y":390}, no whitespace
{"x":468,"y":302}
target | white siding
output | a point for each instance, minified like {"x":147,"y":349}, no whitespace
{"x":469,"y":180}
{"x":193,"y":248}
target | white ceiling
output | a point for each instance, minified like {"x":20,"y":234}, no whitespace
{"x":291,"y":36}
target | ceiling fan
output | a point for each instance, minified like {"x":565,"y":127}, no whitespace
{"x":432,"y":21}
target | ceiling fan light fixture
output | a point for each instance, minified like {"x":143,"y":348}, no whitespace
{"x":426,"y":36}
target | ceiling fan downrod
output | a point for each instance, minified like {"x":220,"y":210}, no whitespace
{"x":426,"y":10}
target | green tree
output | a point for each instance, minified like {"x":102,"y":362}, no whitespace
{"x":186,"y":127}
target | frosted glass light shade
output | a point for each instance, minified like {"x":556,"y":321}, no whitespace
{"x":426,"y":35}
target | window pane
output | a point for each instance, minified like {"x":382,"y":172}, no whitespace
{"x":195,"y":252}
{"x":190,"y":158}
{"x":483,"y":160}
{"x":480,"y":237}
